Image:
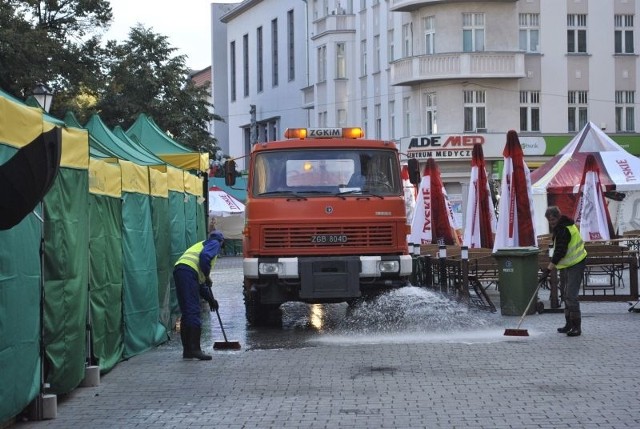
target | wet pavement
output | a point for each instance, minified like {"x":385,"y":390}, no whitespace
{"x":410,"y":359}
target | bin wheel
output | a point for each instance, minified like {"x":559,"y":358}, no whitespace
{"x":540,"y":307}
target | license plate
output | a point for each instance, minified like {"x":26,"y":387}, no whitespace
{"x":329,"y":239}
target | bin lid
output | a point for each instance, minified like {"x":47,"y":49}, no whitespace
{"x":517,"y":251}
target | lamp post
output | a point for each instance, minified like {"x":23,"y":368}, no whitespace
{"x":43,"y":96}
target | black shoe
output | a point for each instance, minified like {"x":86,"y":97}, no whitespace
{"x":567,"y":325}
{"x":576,"y":322}
{"x":196,"y":351}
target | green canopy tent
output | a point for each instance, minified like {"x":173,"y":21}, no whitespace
{"x":141,"y":304}
{"x":105,"y":255}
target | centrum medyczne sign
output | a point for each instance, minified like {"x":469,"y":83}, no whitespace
{"x":459,"y":146}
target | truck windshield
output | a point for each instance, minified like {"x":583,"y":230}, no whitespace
{"x":327,"y":171}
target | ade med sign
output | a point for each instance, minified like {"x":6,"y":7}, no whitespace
{"x":459,"y":146}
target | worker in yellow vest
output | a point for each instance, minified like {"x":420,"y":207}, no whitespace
{"x":569,"y":257}
{"x":191,"y":273}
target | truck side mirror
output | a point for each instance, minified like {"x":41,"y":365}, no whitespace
{"x":230,"y":172}
{"x":414,"y":171}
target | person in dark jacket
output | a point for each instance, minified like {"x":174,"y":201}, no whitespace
{"x":569,"y":257}
{"x":191,"y":273}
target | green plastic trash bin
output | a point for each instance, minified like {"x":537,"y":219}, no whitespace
{"x":517,"y":279}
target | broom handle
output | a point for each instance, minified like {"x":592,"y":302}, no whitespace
{"x":222,"y":328}
{"x":526,"y":310}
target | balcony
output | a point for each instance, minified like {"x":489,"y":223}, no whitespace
{"x":333,"y":23}
{"x":411,"y":5}
{"x":462,"y":65}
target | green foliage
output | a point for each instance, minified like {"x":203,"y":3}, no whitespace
{"x":58,"y":43}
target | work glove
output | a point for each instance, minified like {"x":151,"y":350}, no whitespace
{"x":545,"y":274}
{"x":213,"y":304}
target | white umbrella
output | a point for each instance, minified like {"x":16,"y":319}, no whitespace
{"x":592,"y":216}
{"x":222,"y":204}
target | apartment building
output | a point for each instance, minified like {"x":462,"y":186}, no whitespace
{"x":436,"y":76}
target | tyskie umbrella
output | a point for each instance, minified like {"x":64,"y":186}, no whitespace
{"x":480,"y":221}
{"x":592,"y":215}
{"x":222,"y":204}
{"x":433,"y":221}
{"x":515,"y":218}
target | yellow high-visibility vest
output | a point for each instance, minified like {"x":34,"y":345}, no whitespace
{"x":575,"y":251}
{"x":192,"y":258}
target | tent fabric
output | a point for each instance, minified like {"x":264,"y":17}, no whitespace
{"x":70,"y":120}
{"x":515,"y":226}
{"x":159,"y":194}
{"x":20,"y":277}
{"x":147,"y":133}
{"x":619,"y":170}
{"x":110,"y":143}
{"x":222,"y":204}
{"x":592,"y":215}
{"x":66,"y":266}
{"x":433,"y":221}
{"x":142,"y":327}
{"x":557,"y":182}
{"x":481,"y":220}
{"x":105,"y":263}
{"x":28,"y":176}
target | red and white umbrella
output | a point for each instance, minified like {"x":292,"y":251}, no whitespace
{"x":480,"y":222}
{"x":592,"y":215}
{"x":433,"y":221}
{"x":222,"y":204}
{"x":515,"y":218}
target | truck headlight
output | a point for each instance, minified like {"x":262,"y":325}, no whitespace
{"x":389,"y":266}
{"x":269,"y":268}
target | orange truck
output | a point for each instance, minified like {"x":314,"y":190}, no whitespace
{"x":325,"y":221}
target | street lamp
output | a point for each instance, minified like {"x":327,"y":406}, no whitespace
{"x":43,"y":96}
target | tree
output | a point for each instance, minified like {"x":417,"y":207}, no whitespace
{"x":146,"y":76}
{"x":52,"y":42}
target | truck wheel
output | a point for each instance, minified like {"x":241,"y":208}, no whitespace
{"x":258,"y":314}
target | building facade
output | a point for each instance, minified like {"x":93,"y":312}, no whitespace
{"x":436,"y":76}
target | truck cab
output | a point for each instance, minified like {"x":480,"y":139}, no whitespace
{"x":325,"y":221}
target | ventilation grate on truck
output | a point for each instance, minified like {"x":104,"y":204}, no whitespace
{"x":309,"y":237}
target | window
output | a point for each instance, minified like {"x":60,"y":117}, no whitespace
{"x":576,"y":34}
{"x":578,"y":112}
{"x":341,"y":61}
{"x":232,"y":67}
{"x":363,"y":58}
{"x":392,"y":119}
{"x":406,"y":114}
{"x":529,"y":110}
{"x":529,"y":32}
{"x":406,"y":40}
{"x":429,"y":102}
{"x":274,"y":52}
{"x":378,"y":118}
{"x":472,"y":32}
{"x":625,"y":112}
{"x":391,"y":53}
{"x":474,"y":110}
{"x":342,"y":117}
{"x":429,"y":25}
{"x":623,"y":35}
{"x":259,"y":59}
{"x":322,"y":63}
{"x":291,"y":46}
{"x":322,"y":119}
{"x":376,"y":53}
{"x":245,"y":63}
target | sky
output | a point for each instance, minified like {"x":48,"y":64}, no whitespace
{"x":187,"y":24}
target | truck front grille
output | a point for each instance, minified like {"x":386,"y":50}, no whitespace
{"x":303,"y":237}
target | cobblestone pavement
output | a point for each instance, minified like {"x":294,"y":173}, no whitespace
{"x":474,"y":379}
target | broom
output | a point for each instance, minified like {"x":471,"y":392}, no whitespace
{"x":226,"y":344}
{"x":517,"y":332}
